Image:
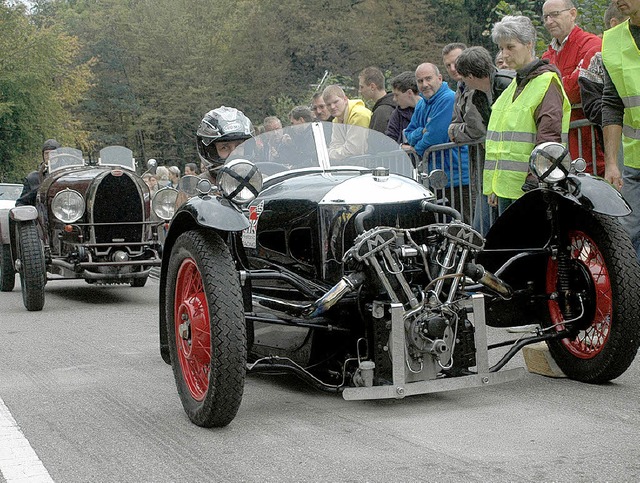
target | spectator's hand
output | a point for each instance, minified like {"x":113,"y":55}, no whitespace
{"x":493,"y":200}
{"x":530,"y":183}
{"x":407,"y":148}
{"x":612,"y":175}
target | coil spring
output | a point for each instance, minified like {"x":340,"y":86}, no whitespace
{"x":564,"y":285}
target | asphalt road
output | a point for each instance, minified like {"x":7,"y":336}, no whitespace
{"x":84,"y":385}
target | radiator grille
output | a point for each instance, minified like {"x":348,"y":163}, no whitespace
{"x":117,"y":200}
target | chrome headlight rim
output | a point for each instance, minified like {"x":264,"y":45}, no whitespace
{"x":68,"y":206}
{"x":240,"y":181}
{"x":163,"y":203}
{"x":549,"y":167}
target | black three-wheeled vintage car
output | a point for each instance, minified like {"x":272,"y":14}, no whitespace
{"x":351,"y":274}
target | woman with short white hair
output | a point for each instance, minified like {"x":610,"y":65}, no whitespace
{"x":534,"y":109}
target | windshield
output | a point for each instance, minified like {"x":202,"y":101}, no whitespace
{"x":65,"y":158}
{"x":117,"y":156}
{"x":326,"y":146}
{"x":10,"y":191}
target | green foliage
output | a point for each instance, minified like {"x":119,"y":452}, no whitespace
{"x":141,"y":73}
{"x":40,"y":81}
{"x":591,"y":14}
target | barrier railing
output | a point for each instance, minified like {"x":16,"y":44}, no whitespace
{"x":468,"y":200}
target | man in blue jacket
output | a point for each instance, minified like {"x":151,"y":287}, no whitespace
{"x":430,"y":123}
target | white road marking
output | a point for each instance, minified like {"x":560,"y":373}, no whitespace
{"x":19,"y":463}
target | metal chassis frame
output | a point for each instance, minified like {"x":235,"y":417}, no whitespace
{"x":400,"y":388}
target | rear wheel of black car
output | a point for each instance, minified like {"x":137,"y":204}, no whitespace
{"x":7,"y":273}
{"x":33,"y":275}
{"x":603,"y":268}
{"x":206,"y":328}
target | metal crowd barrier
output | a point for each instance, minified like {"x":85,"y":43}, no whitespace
{"x":463,"y":198}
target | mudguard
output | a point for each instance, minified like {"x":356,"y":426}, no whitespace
{"x":23,"y":213}
{"x":522,"y":233}
{"x":4,"y":226}
{"x":214,"y":212}
{"x":598,"y":195}
{"x":19,"y":214}
{"x":524,"y":224}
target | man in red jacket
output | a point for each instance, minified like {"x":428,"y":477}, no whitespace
{"x":570,"y":49}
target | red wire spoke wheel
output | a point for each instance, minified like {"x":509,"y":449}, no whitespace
{"x":192,"y":329}
{"x":602,"y":268}
{"x":205,"y":327}
{"x":590,"y":341}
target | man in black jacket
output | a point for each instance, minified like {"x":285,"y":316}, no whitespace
{"x":371,"y":86}
{"x":34,"y":178}
{"x":484,"y":84}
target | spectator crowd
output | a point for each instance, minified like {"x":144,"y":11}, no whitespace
{"x":506,"y":105}
{"x":502,"y":106}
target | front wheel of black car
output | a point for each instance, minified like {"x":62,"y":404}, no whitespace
{"x":33,"y":275}
{"x":206,"y":328}
{"x":600,"y":265}
{"x":7,"y":273}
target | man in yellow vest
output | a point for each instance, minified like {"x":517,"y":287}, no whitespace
{"x":621,"y":111}
{"x":532,"y":110}
{"x":346,"y":112}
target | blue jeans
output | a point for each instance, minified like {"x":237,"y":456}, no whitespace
{"x":503,"y":204}
{"x":631,"y":192}
{"x":483,"y":215}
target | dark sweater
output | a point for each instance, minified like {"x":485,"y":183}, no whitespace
{"x":381,"y":113}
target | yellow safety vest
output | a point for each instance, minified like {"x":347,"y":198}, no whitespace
{"x":621,"y":57}
{"x":511,"y":135}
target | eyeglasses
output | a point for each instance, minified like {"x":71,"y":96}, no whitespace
{"x":555,"y":14}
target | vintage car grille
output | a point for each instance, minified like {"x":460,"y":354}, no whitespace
{"x":117,"y":201}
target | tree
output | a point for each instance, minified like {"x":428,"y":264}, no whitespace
{"x":40,"y":82}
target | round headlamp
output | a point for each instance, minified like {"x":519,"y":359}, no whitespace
{"x":240,"y":181}
{"x":68,"y":206}
{"x":550,"y":162}
{"x":163,"y":203}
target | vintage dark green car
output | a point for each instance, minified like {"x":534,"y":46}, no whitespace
{"x":91,"y":221}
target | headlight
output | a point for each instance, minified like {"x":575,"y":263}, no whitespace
{"x":550,"y":162}
{"x":164,"y":203}
{"x":240,"y":181}
{"x":68,"y":206}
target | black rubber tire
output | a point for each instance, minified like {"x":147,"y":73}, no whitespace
{"x":33,"y":276}
{"x":615,"y":355}
{"x":220,"y":400}
{"x":7,"y":273}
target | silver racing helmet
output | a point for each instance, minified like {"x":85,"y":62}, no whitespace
{"x":220,"y":125}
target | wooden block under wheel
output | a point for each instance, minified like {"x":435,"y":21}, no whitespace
{"x":539,"y":361}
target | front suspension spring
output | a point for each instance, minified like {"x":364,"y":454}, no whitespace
{"x":564,"y":285}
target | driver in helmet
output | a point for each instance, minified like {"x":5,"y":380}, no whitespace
{"x":220,"y":132}
{"x":34,"y":178}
